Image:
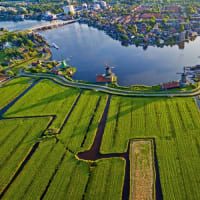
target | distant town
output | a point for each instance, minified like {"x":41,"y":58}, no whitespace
{"x":142,"y":25}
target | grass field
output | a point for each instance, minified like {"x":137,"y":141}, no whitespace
{"x":45,"y":98}
{"x":175,"y":123}
{"x":54,"y":172}
{"x":17,"y":136}
{"x":106,"y":180}
{"x":79,"y":132}
{"x":12,"y":89}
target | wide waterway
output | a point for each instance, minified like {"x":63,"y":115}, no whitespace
{"x":91,"y":49}
{"x":88,"y":49}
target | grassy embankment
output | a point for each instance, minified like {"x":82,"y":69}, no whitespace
{"x":154,"y":88}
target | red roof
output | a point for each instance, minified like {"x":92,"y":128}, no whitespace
{"x":172,"y":8}
{"x":3,"y":77}
{"x":102,"y":79}
{"x":173,"y":84}
{"x":149,"y":15}
{"x":54,"y":71}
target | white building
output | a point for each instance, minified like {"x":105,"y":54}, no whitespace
{"x":68,"y":9}
{"x":181,"y":36}
{"x":84,"y":5}
{"x":99,"y":5}
{"x":102,"y":4}
{"x":96,"y":6}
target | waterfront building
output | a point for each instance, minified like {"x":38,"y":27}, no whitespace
{"x":96,"y":6}
{"x":184,"y":80}
{"x":182,"y":37}
{"x":69,"y":8}
{"x":102,"y":4}
{"x":170,"y":85}
{"x":108,"y":77}
{"x":84,"y":6}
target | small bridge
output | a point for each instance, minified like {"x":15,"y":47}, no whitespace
{"x":52,"y":25}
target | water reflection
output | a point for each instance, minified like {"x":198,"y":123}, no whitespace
{"x":89,"y":49}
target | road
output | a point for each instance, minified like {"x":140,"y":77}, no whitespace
{"x":63,"y":81}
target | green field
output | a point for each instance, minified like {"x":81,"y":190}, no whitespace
{"x":53,"y":170}
{"x":12,"y":89}
{"x":175,"y":124}
{"x":45,"y":98}
{"x":17,"y":137}
{"x":78,"y":134}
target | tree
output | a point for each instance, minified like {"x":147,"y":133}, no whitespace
{"x":182,"y":28}
{"x":70,"y":13}
{"x":124,"y":37}
{"x":152,"y":21}
{"x":10,"y":73}
{"x":164,"y":20}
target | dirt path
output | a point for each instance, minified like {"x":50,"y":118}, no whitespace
{"x":142,"y":170}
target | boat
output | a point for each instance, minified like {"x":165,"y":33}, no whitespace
{"x":55,"y":45}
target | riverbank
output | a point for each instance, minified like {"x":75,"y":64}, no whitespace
{"x":95,"y":87}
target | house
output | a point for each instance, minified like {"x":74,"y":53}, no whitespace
{"x":143,"y":27}
{"x":69,"y":8}
{"x":171,"y":8}
{"x":102,"y":79}
{"x":3,"y":77}
{"x":182,"y":36}
{"x":146,"y":16}
{"x":170,"y":85}
{"x":108,"y":77}
{"x":35,"y":63}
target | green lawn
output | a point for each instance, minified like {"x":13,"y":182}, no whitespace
{"x":12,"y":89}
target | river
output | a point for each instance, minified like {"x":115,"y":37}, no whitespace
{"x":89,"y":49}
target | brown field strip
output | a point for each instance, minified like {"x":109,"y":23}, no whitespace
{"x":141,"y":170}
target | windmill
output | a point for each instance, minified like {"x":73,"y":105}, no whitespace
{"x":108,"y":70}
{"x":184,"y":80}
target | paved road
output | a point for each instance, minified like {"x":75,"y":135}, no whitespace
{"x":63,"y":81}
{"x":198,"y":101}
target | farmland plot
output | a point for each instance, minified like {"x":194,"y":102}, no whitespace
{"x":106,"y":180}
{"x":36,"y":174}
{"x":142,"y":170}
{"x":53,"y":172}
{"x":118,"y":127}
{"x":70,"y":180}
{"x":175,"y":123}
{"x":12,"y":89}
{"x":79,"y":131}
{"x":46,"y":98}
{"x":17,"y":137}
